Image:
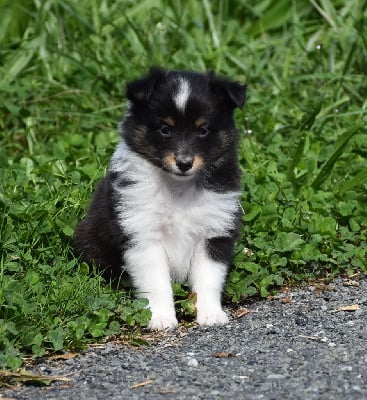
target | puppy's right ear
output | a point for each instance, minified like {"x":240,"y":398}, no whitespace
{"x":141,"y":89}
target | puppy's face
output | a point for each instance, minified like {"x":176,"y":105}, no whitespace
{"x":181,"y":121}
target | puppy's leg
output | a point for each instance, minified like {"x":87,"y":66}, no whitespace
{"x":149,"y":270}
{"x":207,"y":277}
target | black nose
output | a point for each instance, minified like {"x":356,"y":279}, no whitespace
{"x":184,"y":164}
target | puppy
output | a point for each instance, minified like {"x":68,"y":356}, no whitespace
{"x":168,"y":208}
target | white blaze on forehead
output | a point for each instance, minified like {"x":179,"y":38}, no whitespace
{"x":182,"y":94}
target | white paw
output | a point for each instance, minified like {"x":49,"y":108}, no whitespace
{"x":162,"y":322}
{"x":211,"y":317}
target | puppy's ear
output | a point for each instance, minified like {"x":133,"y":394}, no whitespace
{"x":141,"y":89}
{"x":237,"y":93}
{"x":232,"y":93}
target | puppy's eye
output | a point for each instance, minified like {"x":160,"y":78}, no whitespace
{"x":203,"y":132}
{"x":165,"y":131}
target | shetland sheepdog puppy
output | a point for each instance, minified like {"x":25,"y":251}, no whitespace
{"x":168,"y":208}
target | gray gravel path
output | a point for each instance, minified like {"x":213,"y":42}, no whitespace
{"x":295,"y":346}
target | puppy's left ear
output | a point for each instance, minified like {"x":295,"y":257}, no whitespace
{"x":237,"y":93}
{"x":232,"y":93}
{"x":140,"y":90}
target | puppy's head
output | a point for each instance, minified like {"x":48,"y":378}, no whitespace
{"x":182,"y":121}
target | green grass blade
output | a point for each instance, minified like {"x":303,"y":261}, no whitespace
{"x":305,"y":124}
{"x":140,"y":36}
{"x":247,"y":152}
{"x":353,"y":182}
{"x":327,"y":12}
{"x":339,"y":149}
{"x":212,"y":27}
{"x":276,"y":14}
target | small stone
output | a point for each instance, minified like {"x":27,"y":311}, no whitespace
{"x":271,"y":330}
{"x":193,"y":362}
{"x":240,"y":377}
{"x":301,"y":320}
{"x":110,"y":347}
{"x":275,"y":376}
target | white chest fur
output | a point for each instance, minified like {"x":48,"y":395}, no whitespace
{"x":172,"y":213}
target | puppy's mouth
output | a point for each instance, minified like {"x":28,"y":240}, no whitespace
{"x":182,"y":168}
{"x":183,"y":176}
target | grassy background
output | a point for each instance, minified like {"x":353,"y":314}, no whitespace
{"x":63,"y":66}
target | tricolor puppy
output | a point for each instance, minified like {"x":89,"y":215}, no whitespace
{"x":168,"y":208}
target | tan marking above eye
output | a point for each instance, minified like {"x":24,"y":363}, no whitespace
{"x":200,"y":122}
{"x":169,"y":121}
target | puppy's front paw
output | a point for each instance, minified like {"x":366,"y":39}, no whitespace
{"x":162,"y":322}
{"x":211,"y":317}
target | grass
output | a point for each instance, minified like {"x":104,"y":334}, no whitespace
{"x":63,"y":66}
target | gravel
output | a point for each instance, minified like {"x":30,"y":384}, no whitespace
{"x":296,"y":345}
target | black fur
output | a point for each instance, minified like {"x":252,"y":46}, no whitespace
{"x":98,"y":238}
